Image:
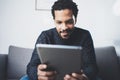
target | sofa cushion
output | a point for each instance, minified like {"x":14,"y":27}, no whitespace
{"x":18,"y":59}
{"x":108,"y":64}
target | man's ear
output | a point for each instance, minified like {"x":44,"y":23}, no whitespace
{"x":75,"y":20}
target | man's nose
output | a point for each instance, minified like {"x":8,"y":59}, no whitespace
{"x":64,"y":26}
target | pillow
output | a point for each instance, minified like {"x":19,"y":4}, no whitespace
{"x":18,"y":59}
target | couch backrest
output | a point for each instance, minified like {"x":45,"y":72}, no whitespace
{"x":106,"y":57}
{"x":108,"y":64}
{"x":18,"y":59}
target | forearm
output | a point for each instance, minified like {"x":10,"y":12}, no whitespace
{"x":32,"y":66}
{"x":89,"y":59}
{"x":91,"y":72}
{"x":35,"y":60}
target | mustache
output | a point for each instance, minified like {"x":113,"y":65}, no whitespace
{"x":67,"y":30}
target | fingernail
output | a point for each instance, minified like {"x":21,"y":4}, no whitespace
{"x":74,"y":74}
{"x":68,"y":76}
{"x":44,"y":66}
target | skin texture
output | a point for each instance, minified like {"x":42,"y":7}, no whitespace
{"x":64,"y":22}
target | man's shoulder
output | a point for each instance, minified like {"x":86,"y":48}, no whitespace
{"x":81,"y":30}
{"x":49,"y":32}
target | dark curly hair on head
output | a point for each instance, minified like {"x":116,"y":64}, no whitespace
{"x":65,"y":4}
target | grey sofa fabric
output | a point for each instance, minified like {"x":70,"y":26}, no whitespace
{"x":108,"y":63}
{"x":13,"y":65}
{"x":18,"y":59}
{"x":3,"y":66}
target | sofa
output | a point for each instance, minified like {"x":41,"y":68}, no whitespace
{"x":13,"y":65}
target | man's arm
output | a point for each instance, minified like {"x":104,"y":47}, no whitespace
{"x":89,"y":59}
{"x":35,"y":61}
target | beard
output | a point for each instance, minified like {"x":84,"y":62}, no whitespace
{"x":66,"y":31}
{"x":65,"y":34}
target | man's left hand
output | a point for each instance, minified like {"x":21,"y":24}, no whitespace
{"x":76,"y":76}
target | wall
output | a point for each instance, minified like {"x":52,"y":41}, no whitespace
{"x":20,"y":23}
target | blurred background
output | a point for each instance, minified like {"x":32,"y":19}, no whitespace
{"x":21,"y":21}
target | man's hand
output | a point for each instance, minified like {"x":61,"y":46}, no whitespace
{"x":43,"y":74}
{"x":76,"y":76}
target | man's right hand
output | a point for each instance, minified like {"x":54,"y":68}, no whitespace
{"x":43,"y":74}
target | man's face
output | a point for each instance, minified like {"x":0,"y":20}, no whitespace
{"x":64,"y":22}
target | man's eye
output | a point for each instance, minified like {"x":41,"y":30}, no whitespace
{"x":59,"y":22}
{"x":70,"y":22}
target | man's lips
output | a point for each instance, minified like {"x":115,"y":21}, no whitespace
{"x":65,"y":31}
{"x":65,"y":34}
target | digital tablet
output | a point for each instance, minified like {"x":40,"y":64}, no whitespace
{"x":64,"y":59}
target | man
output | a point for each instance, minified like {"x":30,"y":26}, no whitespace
{"x":64,"y":13}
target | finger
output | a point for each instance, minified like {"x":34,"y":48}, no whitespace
{"x":77,"y":76}
{"x":45,"y":78}
{"x":80,"y":76}
{"x":68,"y":77}
{"x":47,"y":73}
{"x":42,"y":66}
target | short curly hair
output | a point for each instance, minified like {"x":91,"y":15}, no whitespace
{"x":64,"y":4}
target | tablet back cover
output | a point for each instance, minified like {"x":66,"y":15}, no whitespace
{"x":63,"y":59}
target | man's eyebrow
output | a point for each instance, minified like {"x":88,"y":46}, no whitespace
{"x":69,"y":20}
{"x":58,"y":20}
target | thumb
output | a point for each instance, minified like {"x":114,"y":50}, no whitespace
{"x":42,"y":66}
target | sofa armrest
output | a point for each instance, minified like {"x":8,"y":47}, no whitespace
{"x":108,"y":63}
{"x":119,"y":61}
{"x":3,"y":66}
